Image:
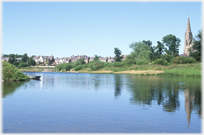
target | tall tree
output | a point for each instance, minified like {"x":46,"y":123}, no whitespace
{"x":96,"y":58}
{"x":172,"y":43}
{"x":118,"y":57}
{"x":140,"y":51}
{"x":152,"y":55}
{"x":196,"y":53}
{"x":148,"y":42}
{"x":31,"y":62}
{"x":24,"y":58}
{"x":160,"y":49}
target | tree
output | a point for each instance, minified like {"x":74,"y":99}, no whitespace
{"x":31,"y":62}
{"x":140,"y":51}
{"x":96,"y":58}
{"x":118,"y":57}
{"x":80,"y":62}
{"x":148,"y":42}
{"x":160,"y":49}
{"x":172,"y":43}
{"x":196,"y":53}
{"x":24,"y":58}
{"x":129,"y":60}
{"x":152,"y":55}
{"x":11,"y":58}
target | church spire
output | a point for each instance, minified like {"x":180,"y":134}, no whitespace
{"x":188,"y":26}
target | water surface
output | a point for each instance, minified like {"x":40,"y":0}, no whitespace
{"x":102,"y":103}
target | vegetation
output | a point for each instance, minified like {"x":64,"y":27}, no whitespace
{"x":118,"y":57}
{"x":197,"y":49}
{"x":144,"y":56}
{"x":25,"y":60}
{"x":11,"y":73}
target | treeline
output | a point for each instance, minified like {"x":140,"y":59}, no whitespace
{"x":165,"y":53}
{"x":23,"y":62}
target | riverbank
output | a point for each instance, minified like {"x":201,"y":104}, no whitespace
{"x":11,"y":73}
{"x":194,"y":69}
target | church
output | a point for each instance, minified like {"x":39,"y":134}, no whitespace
{"x":188,"y":39}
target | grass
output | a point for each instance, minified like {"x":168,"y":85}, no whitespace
{"x":184,"y":69}
{"x":174,"y":69}
{"x":11,"y":73}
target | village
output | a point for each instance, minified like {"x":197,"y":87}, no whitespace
{"x":50,"y":60}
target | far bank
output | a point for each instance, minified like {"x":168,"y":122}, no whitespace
{"x":194,"y":69}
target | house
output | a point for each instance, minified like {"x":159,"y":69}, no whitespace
{"x":111,"y":59}
{"x":103,"y":59}
{"x":91,"y":59}
{"x":5,"y":59}
{"x":86,"y":59}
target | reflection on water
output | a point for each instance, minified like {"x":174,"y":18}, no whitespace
{"x":118,"y":84}
{"x":10,"y":87}
{"x":165,"y":91}
{"x":102,"y":103}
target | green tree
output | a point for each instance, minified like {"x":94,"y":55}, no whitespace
{"x":148,"y":42}
{"x":80,"y":62}
{"x":96,"y":58}
{"x":140,"y":51}
{"x":31,"y":62}
{"x":160,"y":49}
{"x":118,"y":57}
{"x":129,"y":60}
{"x":172,"y":43}
{"x":11,"y":59}
{"x":197,"y":49}
{"x":24,"y":58}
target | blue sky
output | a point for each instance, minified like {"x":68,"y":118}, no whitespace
{"x":63,"y":29}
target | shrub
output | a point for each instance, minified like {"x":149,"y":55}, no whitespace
{"x":167,"y":57}
{"x":95,"y":65}
{"x":118,"y":64}
{"x":187,"y":60}
{"x":176,"y":60}
{"x":183,"y":60}
{"x":23,"y":65}
{"x":78,"y":67}
{"x":142,"y":62}
{"x":130,"y":60}
{"x":107,"y":64}
{"x":160,"y":62}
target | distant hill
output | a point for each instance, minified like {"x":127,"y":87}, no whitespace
{"x":11,"y":73}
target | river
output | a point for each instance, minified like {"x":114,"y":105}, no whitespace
{"x":102,"y":103}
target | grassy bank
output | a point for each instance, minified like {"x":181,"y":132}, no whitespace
{"x":175,"y":69}
{"x":11,"y":73}
{"x":193,"y":69}
{"x":36,"y":69}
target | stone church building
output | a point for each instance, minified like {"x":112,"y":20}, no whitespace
{"x":188,"y":39}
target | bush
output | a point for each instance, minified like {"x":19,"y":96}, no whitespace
{"x":183,"y":60}
{"x":166,"y":57}
{"x":23,"y":65}
{"x":187,"y":60}
{"x":176,"y":60}
{"x":107,"y":64}
{"x":142,"y":62}
{"x":95,"y":65}
{"x":160,"y":62}
{"x":118,"y":64}
{"x":130,"y":60}
{"x":78,"y":67}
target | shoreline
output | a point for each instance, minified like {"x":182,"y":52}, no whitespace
{"x":135,"y":72}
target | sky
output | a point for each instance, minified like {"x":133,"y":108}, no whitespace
{"x":63,"y":29}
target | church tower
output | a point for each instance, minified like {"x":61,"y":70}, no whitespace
{"x":188,"y":39}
